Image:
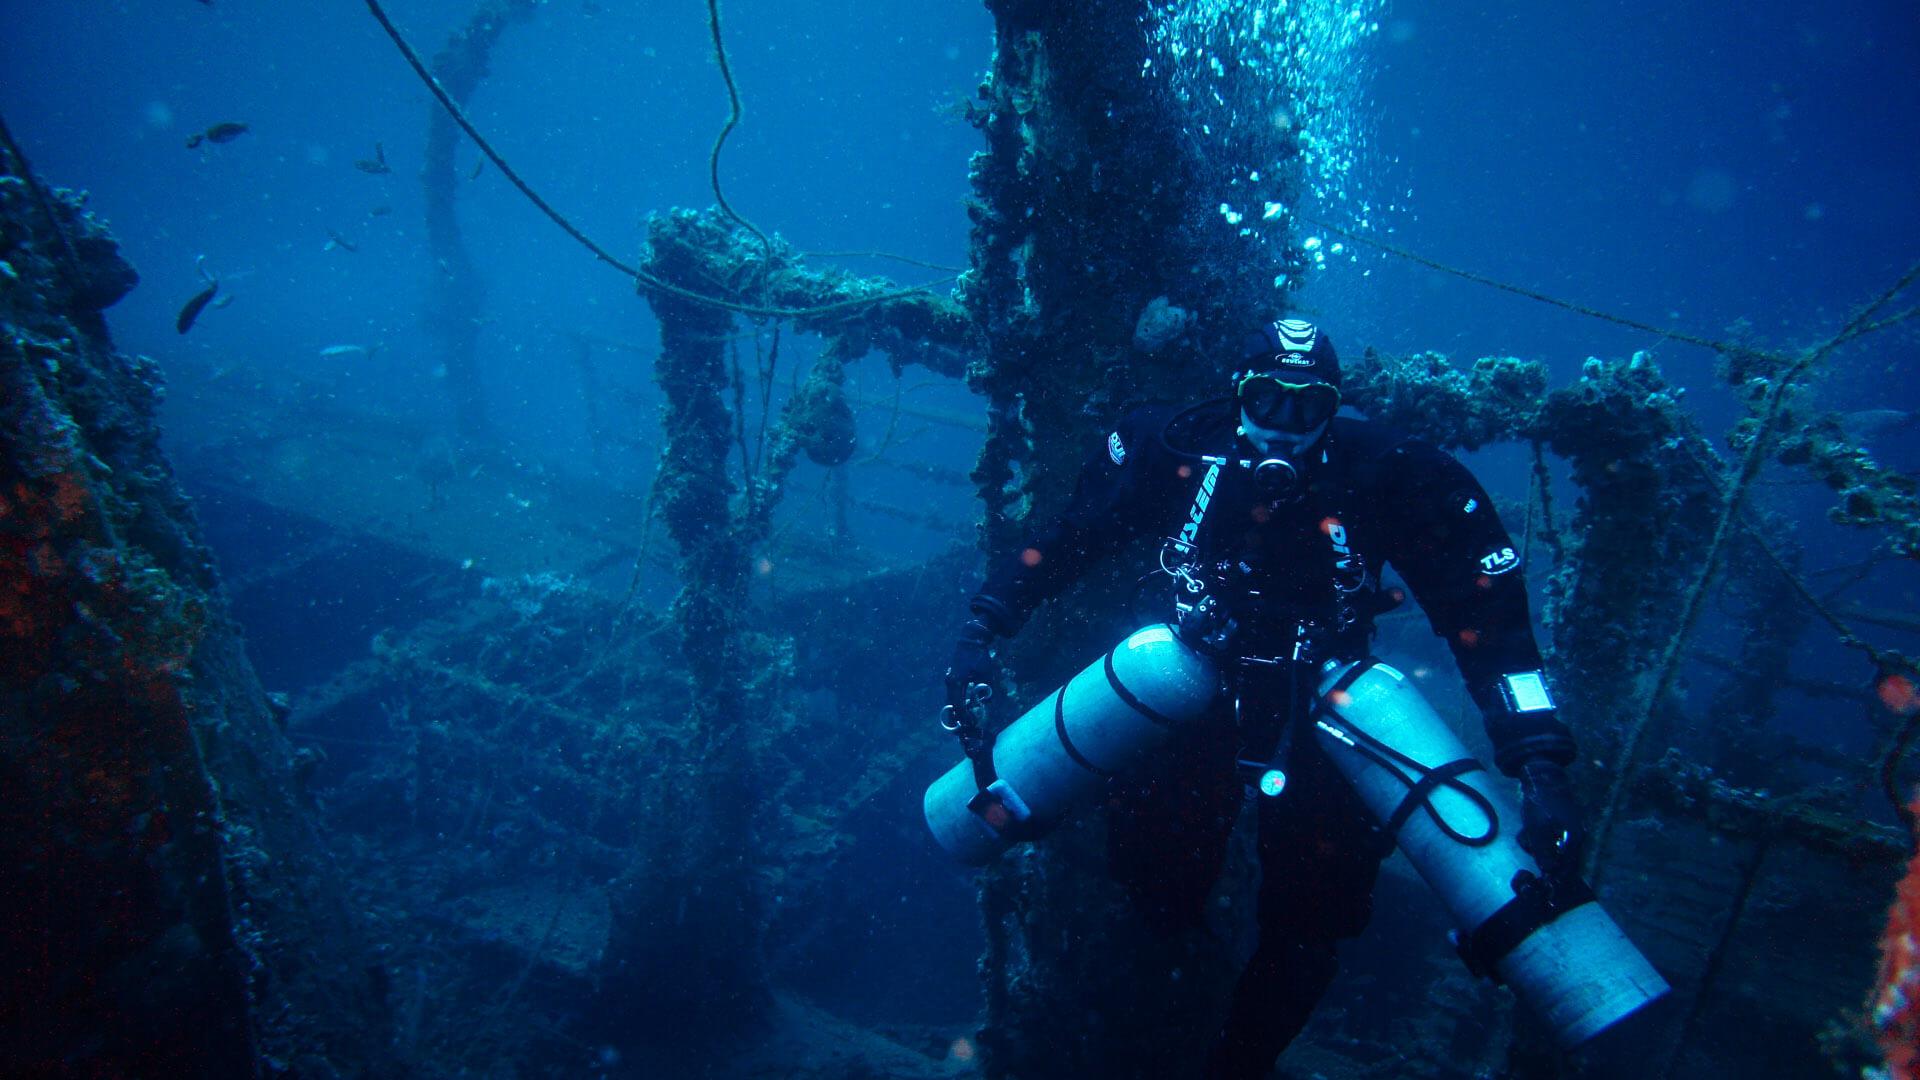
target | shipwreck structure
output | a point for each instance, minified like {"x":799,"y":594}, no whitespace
{"x":576,"y":788}
{"x":169,"y":906}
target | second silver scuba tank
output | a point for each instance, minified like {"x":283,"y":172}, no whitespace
{"x":1060,"y":753}
{"x":1548,"y":940}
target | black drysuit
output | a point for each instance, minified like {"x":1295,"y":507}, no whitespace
{"x":1396,"y":502}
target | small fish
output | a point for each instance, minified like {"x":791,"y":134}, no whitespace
{"x":380,"y":211}
{"x":200,"y":300}
{"x":335,"y":240}
{"x":223,"y":132}
{"x":377,"y":166}
{"x":478,"y":167}
{"x":342,"y":352}
{"x":184,"y":322}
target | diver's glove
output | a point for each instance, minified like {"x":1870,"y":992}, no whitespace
{"x":973,"y":665}
{"x":1550,"y":826}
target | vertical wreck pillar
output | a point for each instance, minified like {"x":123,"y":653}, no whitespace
{"x":458,"y":294}
{"x":1101,"y":279}
{"x":705,"y":971}
{"x":693,"y":959}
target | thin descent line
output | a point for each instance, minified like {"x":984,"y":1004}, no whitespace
{"x":459,"y":117}
{"x":1569,"y":305}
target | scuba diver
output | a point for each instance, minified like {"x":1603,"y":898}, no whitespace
{"x":1279,"y":515}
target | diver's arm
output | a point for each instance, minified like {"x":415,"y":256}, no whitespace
{"x":1464,"y":569}
{"x":1107,"y":509}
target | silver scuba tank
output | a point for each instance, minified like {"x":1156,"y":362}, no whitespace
{"x":1562,"y":954}
{"x":1061,"y":752}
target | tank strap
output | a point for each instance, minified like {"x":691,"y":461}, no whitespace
{"x":1133,"y":702}
{"x":1060,"y":729}
{"x":1536,"y":902}
{"x":984,"y":773}
{"x":978,"y":746}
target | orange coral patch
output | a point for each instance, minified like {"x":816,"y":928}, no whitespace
{"x":1898,"y":693}
{"x":70,"y":496}
{"x":1894,"y":1009}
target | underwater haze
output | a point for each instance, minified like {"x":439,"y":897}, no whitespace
{"x":606,"y":627}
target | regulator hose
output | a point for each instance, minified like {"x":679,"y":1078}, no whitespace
{"x":1419,"y":791}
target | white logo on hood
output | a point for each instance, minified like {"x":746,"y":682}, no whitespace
{"x":1296,"y":335}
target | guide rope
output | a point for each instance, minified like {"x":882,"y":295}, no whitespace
{"x":1854,"y":330}
{"x":649,"y":280}
{"x":733,"y":120}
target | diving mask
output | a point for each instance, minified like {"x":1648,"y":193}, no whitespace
{"x":1272,"y":402}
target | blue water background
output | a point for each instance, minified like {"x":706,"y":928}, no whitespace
{"x":1687,"y":165}
{"x":1683,"y":164}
